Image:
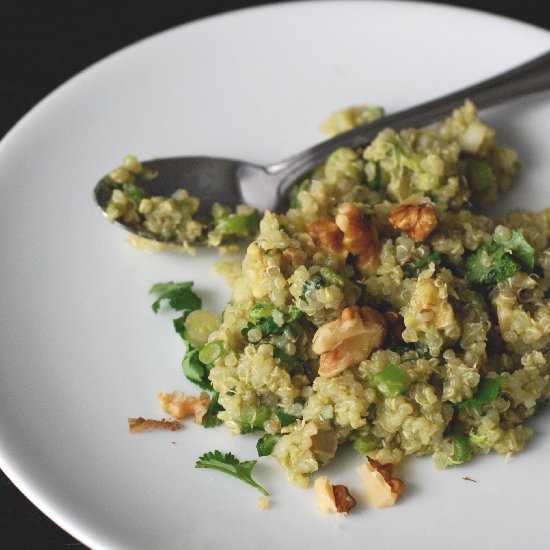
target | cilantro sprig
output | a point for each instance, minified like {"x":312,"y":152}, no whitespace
{"x":179,"y":296}
{"x":230,"y":464}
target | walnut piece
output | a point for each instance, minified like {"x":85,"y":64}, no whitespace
{"x":396,"y":325}
{"x":418,"y":219}
{"x":360,"y":238}
{"x":381,"y":488}
{"x":345,"y":342}
{"x":326,"y":235}
{"x":325,"y":494}
{"x":178,"y":405}
{"x":332,"y":498}
{"x":138,"y":425}
{"x":344,"y":501}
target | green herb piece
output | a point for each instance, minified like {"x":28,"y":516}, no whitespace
{"x":391,"y":381}
{"x":285,"y":418}
{"x":520,"y":249}
{"x":180,"y":297}
{"x":266,"y":324}
{"x":316,"y":281}
{"x":179,"y":324}
{"x":195,"y":370}
{"x":295,"y":189}
{"x":293,"y":314}
{"x":413,"y":269}
{"x":261,"y":317}
{"x":371,"y":412}
{"x":477,"y":440}
{"x":209,"y":353}
{"x":231,"y":465}
{"x":331,"y":277}
{"x":366,"y":444}
{"x":489,"y":264}
{"x":373,"y":173}
{"x":135,"y":192}
{"x":487,"y":391}
{"x":460,"y":449}
{"x":266,"y":443}
{"x":480,"y":175}
{"x":236,"y":224}
{"x":287,"y":362}
{"x":210,"y":418}
{"x":260,"y":311}
{"x":254,"y":421}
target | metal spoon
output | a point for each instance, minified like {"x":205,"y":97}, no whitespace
{"x":232,"y":182}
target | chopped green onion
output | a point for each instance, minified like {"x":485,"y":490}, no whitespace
{"x":366,"y":444}
{"x":391,"y":381}
{"x":480,"y":175}
{"x":238,"y":223}
{"x":487,"y":391}
{"x":252,"y":422}
{"x":209,"y":353}
{"x":199,"y":325}
{"x":331,"y":277}
{"x":461,"y":448}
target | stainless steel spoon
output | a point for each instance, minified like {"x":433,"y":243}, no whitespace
{"x":232,"y":182}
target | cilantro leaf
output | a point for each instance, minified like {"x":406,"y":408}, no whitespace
{"x":195,"y":370}
{"x":314,"y":282}
{"x":520,"y":249}
{"x":210,"y":419}
{"x":489,"y":264}
{"x":231,"y":465}
{"x":287,"y":362}
{"x":179,"y":296}
{"x":487,"y":391}
{"x":412,"y":269}
{"x":265,"y":444}
{"x":284,"y":418}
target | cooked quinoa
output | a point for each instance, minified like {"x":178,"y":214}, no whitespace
{"x":388,"y":234}
{"x":172,"y":222}
{"x":382,"y":308}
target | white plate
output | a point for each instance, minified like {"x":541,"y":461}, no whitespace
{"x":80,"y":348}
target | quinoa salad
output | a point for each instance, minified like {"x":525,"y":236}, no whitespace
{"x":381,"y":310}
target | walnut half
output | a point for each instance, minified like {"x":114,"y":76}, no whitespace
{"x":415,"y":217}
{"x":345,"y":342}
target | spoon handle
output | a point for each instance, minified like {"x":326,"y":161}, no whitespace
{"x":530,"y":77}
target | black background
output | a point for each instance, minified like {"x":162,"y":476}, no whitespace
{"x":42,"y":44}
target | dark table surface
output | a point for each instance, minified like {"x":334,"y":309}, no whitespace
{"x":42,"y":44}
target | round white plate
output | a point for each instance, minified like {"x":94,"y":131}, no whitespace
{"x":80,"y":347}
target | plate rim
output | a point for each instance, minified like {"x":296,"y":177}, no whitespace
{"x":75,"y":525}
